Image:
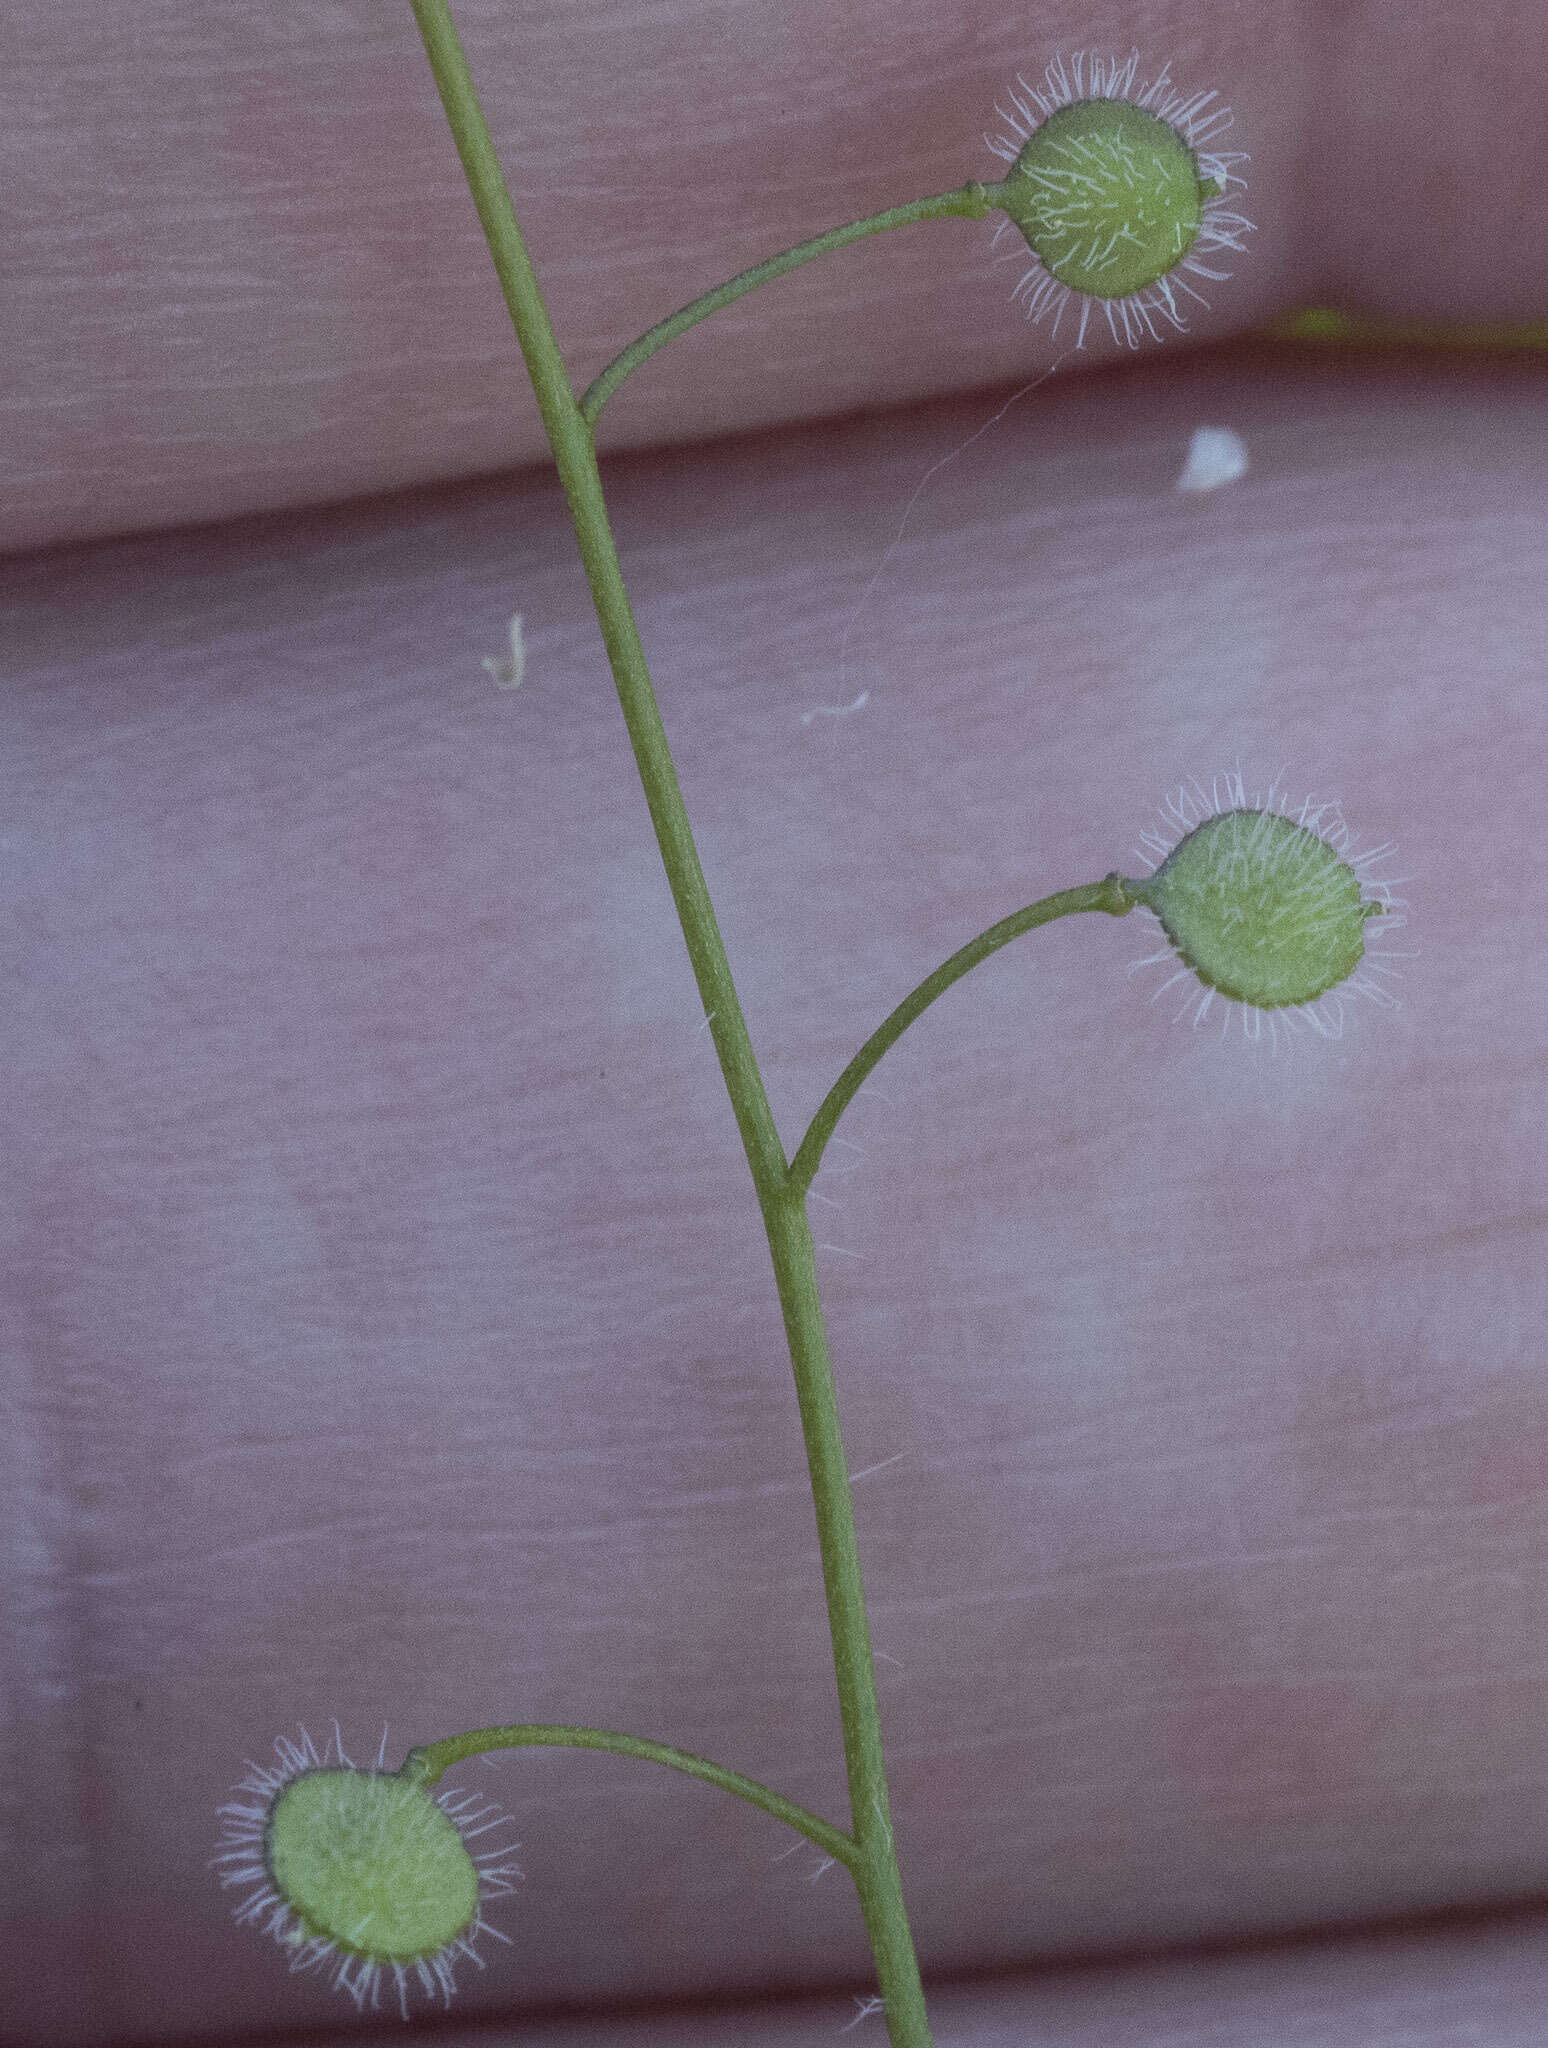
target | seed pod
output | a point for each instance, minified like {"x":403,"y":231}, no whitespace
{"x":1118,"y":192}
{"x":362,"y":1872}
{"x":1267,"y":906}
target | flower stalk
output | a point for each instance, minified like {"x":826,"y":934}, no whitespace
{"x":1113,"y":894}
{"x":969,"y":202}
{"x":426,"y":1766}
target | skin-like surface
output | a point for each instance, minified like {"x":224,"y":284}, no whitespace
{"x":387,"y":1326}
{"x":243,"y":270}
{"x":396,"y":1333}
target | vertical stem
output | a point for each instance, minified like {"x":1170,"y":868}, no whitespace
{"x":575,"y":455}
{"x":876,"y":1874}
{"x":790,"y":1245}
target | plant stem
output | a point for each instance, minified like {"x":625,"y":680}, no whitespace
{"x":427,"y":1765}
{"x":874,"y":1862}
{"x":968,"y":202}
{"x":876,"y":1874}
{"x":1114,"y":895}
{"x":575,"y":456}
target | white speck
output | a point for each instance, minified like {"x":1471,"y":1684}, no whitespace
{"x":836,"y":710}
{"x":1216,"y":456}
{"x":509,"y":671}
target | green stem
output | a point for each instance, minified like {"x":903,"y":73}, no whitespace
{"x":968,"y":202}
{"x":873,"y":1860}
{"x":1114,"y":895}
{"x":876,"y":1874}
{"x":575,"y":456}
{"x":426,"y":1765}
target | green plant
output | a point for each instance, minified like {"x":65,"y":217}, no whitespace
{"x":1118,"y":195}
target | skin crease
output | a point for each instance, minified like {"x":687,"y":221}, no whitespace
{"x":388,"y":1328}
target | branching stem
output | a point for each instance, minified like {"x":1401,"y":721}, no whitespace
{"x":868,"y":1850}
{"x":873,"y":1860}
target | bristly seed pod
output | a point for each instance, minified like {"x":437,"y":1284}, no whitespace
{"x":362,"y":1872}
{"x":1118,"y":191}
{"x":1267,"y":906}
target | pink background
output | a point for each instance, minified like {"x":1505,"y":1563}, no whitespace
{"x":387,"y":1329}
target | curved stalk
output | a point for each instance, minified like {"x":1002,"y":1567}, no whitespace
{"x":429,"y":1763}
{"x":1114,"y":895}
{"x":968,"y":202}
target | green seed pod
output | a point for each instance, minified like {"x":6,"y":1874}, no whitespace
{"x":1261,"y":909}
{"x":1117,"y":192}
{"x":1108,"y":196}
{"x":361,"y":1870}
{"x":1267,"y":907}
{"x":371,"y":1864}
